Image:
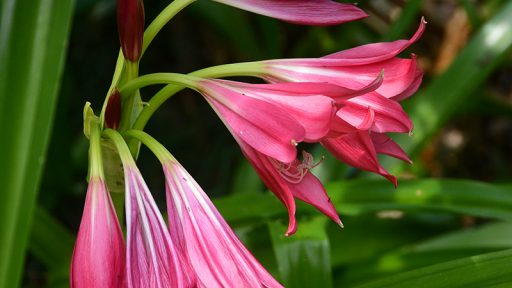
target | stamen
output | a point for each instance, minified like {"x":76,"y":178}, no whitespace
{"x":295,"y":171}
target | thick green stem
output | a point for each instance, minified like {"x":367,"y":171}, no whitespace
{"x":121,"y":146}
{"x":129,"y":99}
{"x":158,"y":149}
{"x":158,"y":78}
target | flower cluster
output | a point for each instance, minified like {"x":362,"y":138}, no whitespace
{"x":347,"y":101}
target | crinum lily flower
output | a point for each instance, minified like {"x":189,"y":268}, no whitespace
{"x":99,"y":254}
{"x":204,"y":241}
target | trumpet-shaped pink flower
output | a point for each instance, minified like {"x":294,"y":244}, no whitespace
{"x":98,"y":256}
{"x":356,"y":68}
{"x":269,"y":120}
{"x":310,"y":12}
{"x":152,"y":258}
{"x":205,"y":240}
{"x":273,"y":118}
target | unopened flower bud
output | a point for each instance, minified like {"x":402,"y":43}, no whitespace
{"x":113,"y":110}
{"x":130,"y":23}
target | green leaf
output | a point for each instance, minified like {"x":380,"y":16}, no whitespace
{"x":446,"y":247}
{"x":476,"y":271}
{"x":303,"y":259}
{"x":362,"y":196}
{"x":459,"y":196}
{"x":32,"y":44}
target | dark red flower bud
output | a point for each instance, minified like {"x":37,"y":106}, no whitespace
{"x":130,"y":24}
{"x":113,"y":110}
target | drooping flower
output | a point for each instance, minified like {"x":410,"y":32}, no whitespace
{"x":311,"y":12}
{"x":269,"y":120}
{"x":272,"y":118}
{"x":98,"y":257}
{"x":355,"y":68}
{"x":152,"y":257}
{"x":130,"y":25}
{"x":205,"y":240}
{"x":350,"y":140}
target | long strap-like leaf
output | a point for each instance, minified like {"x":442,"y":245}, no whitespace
{"x":33,"y":36}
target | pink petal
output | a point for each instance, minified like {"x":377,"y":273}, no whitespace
{"x":357,"y":150}
{"x":376,"y":52}
{"x":306,"y":188}
{"x":311,"y":191}
{"x":264,"y":126}
{"x":385,"y":145}
{"x":216,"y":254}
{"x":152,"y":258}
{"x":313,"y":112}
{"x":311,"y":12}
{"x":389,"y":115}
{"x":266,"y":170}
{"x":99,"y":253}
{"x":418,"y":77}
{"x":328,"y":77}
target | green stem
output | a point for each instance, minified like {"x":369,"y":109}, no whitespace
{"x":158,"y":23}
{"x":95,"y":157}
{"x":165,"y":16}
{"x":158,"y":149}
{"x":129,"y":101}
{"x":158,"y":78}
{"x":122,"y":147}
{"x":255,"y":69}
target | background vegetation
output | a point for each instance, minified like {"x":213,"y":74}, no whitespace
{"x":448,"y":224}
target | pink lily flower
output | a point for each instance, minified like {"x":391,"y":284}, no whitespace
{"x":204,"y":238}
{"x":98,"y":257}
{"x":273,"y":118}
{"x":355,"y":68}
{"x":152,"y":257}
{"x":269,"y":120}
{"x":309,"y":12}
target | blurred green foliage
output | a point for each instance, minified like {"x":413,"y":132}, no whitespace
{"x":429,"y":232}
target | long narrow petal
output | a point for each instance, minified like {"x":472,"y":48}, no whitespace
{"x":385,"y":145}
{"x":152,"y":258}
{"x":291,"y":180}
{"x":415,"y":85}
{"x":376,"y":52}
{"x":398,"y":74}
{"x":99,"y":253}
{"x":264,"y":126}
{"x":311,"y":12}
{"x":357,"y":150}
{"x":216,"y":254}
{"x":389,"y":115}
{"x":311,"y":191}
{"x":313,"y":112}
{"x":266,"y":170}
